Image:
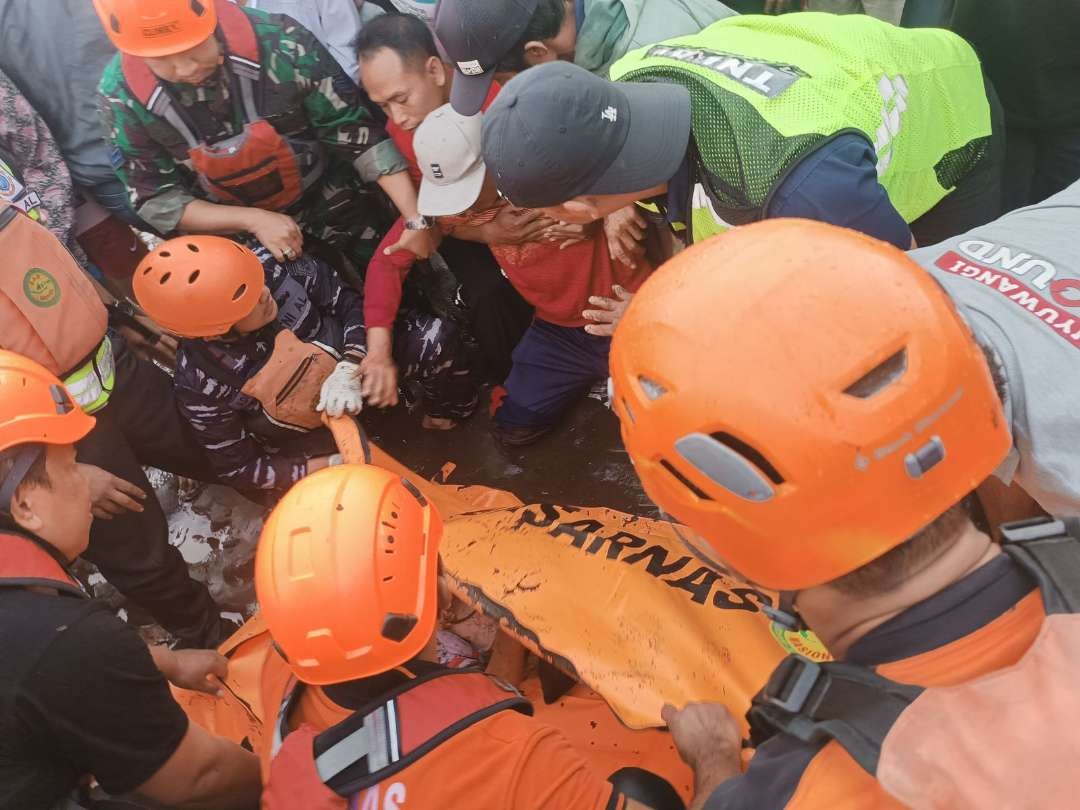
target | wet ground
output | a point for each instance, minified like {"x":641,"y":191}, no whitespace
{"x":580,"y":463}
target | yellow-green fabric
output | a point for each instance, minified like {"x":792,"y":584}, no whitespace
{"x":767,"y":90}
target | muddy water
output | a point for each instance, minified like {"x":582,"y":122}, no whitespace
{"x":581,"y":463}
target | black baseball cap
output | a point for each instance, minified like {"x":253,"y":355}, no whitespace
{"x":474,"y":36}
{"x":556,"y":132}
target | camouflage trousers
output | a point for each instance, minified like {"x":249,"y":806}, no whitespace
{"x":433,"y":358}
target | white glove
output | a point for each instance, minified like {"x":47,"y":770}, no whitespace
{"x":340,"y":392}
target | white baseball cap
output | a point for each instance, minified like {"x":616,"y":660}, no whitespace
{"x":447,"y":148}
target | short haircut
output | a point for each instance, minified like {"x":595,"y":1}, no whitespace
{"x":545,"y":24}
{"x":37,"y":475}
{"x":404,"y":34}
{"x":893,"y":568}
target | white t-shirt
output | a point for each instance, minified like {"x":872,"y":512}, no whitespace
{"x":335,"y":23}
{"x":1017,"y":282}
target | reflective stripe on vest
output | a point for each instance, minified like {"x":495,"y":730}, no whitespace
{"x":391,"y":735}
{"x":765,"y":91}
{"x":91,"y":384}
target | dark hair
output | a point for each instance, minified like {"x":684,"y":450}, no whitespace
{"x":893,"y":568}
{"x":404,"y":34}
{"x":37,"y":475}
{"x":545,"y":24}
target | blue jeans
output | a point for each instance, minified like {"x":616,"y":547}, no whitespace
{"x":553,"y":366}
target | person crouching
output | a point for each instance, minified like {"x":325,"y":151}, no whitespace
{"x":266,"y":346}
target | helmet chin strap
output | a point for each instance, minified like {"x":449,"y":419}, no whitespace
{"x":786,"y":614}
{"x":25,"y":458}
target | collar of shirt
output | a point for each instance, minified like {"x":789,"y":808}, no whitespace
{"x":959,"y":610}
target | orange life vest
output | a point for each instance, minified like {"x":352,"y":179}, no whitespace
{"x":286,"y":385}
{"x":378,"y":742}
{"x":257,"y":167}
{"x":49,"y":310}
{"x":25,"y":562}
{"x":1002,"y":739}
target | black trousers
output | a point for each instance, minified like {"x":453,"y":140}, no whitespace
{"x":498,"y":315}
{"x":979,"y":197}
{"x":141,"y":425}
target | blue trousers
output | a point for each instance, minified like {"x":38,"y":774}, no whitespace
{"x":552,"y":367}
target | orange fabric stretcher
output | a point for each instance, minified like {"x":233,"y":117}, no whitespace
{"x":611,"y":599}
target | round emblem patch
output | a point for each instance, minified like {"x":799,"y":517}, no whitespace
{"x":41,"y":288}
{"x":800,"y":642}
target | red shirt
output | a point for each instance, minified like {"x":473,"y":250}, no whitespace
{"x":556,"y":282}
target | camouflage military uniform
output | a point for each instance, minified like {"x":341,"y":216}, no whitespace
{"x":304,"y":94}
{"x":317,"y":307}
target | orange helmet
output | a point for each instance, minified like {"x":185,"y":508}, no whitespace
{"x":199,"y":286}
{"x":157,"y":27}
{"x":35,"y":409}
{"x":803,"y":397}
{"x":347,"y":573}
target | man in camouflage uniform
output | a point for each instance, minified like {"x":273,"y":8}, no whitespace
{"x":304,"y":95}
{"x":210,"y":373}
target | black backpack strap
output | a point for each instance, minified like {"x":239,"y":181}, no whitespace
{"x":832,"y":701}
{"x":1049,"y":550}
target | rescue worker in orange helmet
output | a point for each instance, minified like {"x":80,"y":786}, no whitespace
{"x":348,"y":578}
{"x":267,"y":345}
{"x":231,"y":120}
{"x":810,"y":404}
{"x":50,"y":312}
{"x":82,"y":693}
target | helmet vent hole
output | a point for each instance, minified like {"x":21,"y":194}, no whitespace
{"x":198,"y":8}
{"x":193,"y":277}
{"x":389,"y":525}
{"x":388,"y":578}
{"x":751,"y":454}
{"x":146,"y":272}
{"x":652,"y":389}
{"x":165,"y":277}
{"x":114,"y":23}
{"x":879,"y":377}
{"x":396,"y":626}
{"x":682,"y":479}
{"x":390,"y":538}
{"x":340,"y":507}
{"x":192,"y":248}
{"x":239,"y":292}
{"x":165,"y":254}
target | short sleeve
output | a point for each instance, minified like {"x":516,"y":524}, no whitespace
{"x":106,"y":706}
{"x":551,"y":773}
{"x":838,"y":183}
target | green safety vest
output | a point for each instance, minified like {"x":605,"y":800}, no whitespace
{"x":765,"y":91}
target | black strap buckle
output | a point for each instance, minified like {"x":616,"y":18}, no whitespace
{"x":791,"y":684}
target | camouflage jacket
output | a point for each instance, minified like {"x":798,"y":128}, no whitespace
{"x":304,"y":94}
{"x":316,"y":306}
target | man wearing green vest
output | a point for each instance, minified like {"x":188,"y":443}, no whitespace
{"x":843,"y":119}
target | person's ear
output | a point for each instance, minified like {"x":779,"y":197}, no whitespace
{"x":583,"y":205}
{"x":436,"y":70}
{"x":536,"y":53}
{"x":23,"y":510}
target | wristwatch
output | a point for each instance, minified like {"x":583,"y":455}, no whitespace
{"x":421,"y":223}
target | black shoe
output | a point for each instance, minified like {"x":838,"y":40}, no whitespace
{"x":520,"y":436}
